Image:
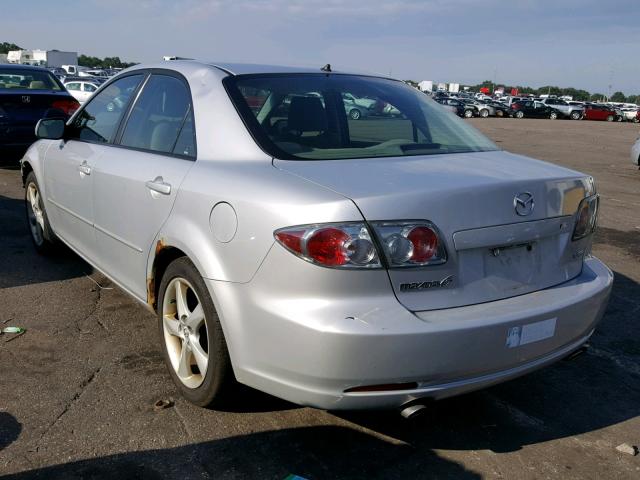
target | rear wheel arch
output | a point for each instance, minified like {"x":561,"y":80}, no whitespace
{"x":164,"y":255}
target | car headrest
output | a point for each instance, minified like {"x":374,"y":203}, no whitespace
{"x":38,"y":85}
{"x":307,"y":114}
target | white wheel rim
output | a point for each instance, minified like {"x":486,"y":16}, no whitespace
{"x":185,"y":332}
{"x":34,"y":212}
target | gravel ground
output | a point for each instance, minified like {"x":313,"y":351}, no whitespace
{"x":77,"y":389}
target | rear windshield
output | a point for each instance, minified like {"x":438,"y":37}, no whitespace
{"x":28,"y":79}
{"x":334,"y":116}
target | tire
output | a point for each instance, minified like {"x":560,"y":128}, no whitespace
{"x":575,"y":115}
{"x":468,"y":113}
{"x":215,"y":386}
{"x":499,"y":113}
{"x":553,"y":115}
{"x":484,"y":113}
{"x":610,"y":118}
{"x":355,"y":114}
{"x":636,"y":120}
{"x":42,"y":236}
{"x":519,"y":114}
{"x":619,"y":119}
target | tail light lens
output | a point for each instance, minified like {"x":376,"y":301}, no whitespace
{"x":410,"y":244}
{"x":350,"y":245}
{"x":69,"y":106}
{"x":345,"y":245}
{"x":586,"y":217}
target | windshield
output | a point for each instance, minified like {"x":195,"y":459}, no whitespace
{"x":334,"y":116}
{"x":28,"y":79}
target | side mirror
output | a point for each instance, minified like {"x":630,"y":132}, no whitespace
{"x":50,"y":128}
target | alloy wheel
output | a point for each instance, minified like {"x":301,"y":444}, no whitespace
{"x":185,"y":332}
{"x":35,"y":214}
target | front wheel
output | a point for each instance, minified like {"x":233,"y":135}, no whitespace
{"x":553,"y":115}
{"x":499,"y":113}
{"x":484,"y":113}
{"x":575,"y":115}
{"x":519,"y":114}
{"x":194,"y":347}
{"x":468,"y":114}
{"x":42,"y":235}
{"x":355,"y":114}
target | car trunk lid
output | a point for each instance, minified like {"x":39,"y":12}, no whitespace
{"x":493,"y":252}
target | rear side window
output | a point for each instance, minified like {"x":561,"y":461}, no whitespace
{"x":98,"y":121}
{"x":160,"y":115}
{"x":28,"y":79}
{"x":318,"y":116}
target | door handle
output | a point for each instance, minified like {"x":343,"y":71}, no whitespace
{"x":84,"y":168}
{"x":159,"y":185}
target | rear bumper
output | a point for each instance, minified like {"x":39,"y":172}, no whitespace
{"x":296,"y":355}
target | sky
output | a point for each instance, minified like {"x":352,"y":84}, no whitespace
{"x":588,"y":44}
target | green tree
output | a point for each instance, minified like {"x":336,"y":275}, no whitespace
{"x":596,"y":97}
{"x":6,"y":47}
{"x":618,"y":97}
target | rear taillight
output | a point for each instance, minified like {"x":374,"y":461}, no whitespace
{"x":410,"y":244}
{"x":345,"y":245}
{"x":586,"y":217}
{"x":350,"y":245}
{"x":68,"y":106}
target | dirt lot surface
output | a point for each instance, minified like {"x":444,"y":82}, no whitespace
{"x":77,"y":389}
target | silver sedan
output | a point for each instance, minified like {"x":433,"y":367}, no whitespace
{"x":332,"y":262}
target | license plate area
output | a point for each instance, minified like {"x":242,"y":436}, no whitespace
{"x":513,"y":265}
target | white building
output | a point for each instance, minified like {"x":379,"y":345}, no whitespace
{"x":425,"y":86}
{"x":45,"y":58}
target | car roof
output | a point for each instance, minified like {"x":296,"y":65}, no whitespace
{"x":184,"y":65}
{"x":15,"y":66}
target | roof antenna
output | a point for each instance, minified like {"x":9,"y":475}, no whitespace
{"x":326,"y":68}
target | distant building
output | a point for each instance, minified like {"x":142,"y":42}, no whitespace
{"x":44,"y":58}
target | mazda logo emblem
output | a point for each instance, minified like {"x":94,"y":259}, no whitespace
{"x":523,"y":203}
{"x":26,"y":99}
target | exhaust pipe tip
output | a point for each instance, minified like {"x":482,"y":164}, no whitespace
{"x":578,"y":352}
{"x":413,"y":411}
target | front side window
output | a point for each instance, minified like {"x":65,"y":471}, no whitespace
{"x":159,"y":116}
{"x":319,"y":116}
{"x":99,"y":120}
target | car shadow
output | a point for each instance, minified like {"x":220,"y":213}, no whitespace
{"x":595,"y":390}
{"x":10,"y":429}
{"x":20,"y":264}
{"x":318,"y":452}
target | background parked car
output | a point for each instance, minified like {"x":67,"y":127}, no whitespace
{"x":357,"y":108}
{"x":81,"y":90}
{"x":595,"y":111}
{"x":459,"y":107}
{"x":635,"y":151}
{"x":533,"y":109}
{"x":28,"y":94}
{"x":574,"y":112}
{"x":496,"y":109}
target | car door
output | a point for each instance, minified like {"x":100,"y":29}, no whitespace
{"x":136,"y":182}
{"x":68,"y":166}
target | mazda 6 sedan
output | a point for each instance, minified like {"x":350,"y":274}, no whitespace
{"x":332,"y":262}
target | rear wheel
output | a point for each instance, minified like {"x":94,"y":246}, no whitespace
{"x":519,"y":114}
{"x":42,"y":235}
{"x":194,"y":347}
{"x":355,"y":114}
{"x":553,"y":115}
{"x":499,"y":113}
{"x":575,"y":115}
{"x":468,"y":114}
{"x":610,"y":118}
{"x":484,"y":113}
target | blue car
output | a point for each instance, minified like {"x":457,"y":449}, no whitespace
{"x":28,"y":94}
